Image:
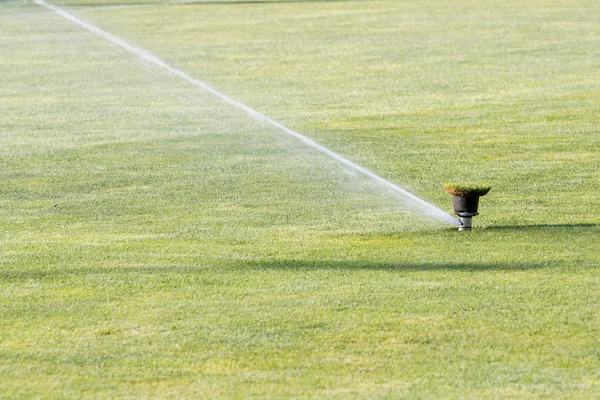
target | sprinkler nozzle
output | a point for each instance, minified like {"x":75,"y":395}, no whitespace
{"x":465,"y":224}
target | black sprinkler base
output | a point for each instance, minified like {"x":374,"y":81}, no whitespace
{"x":466,"y":206}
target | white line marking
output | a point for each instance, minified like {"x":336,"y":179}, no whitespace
{"x":426,"y":207}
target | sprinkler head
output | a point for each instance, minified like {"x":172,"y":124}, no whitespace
{"x":466,"y":202}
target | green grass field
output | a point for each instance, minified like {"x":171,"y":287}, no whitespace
{"x":156,"y":242}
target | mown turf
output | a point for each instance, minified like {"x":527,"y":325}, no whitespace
{"x":157,"y":243}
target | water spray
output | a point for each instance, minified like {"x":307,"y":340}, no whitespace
{"x":466,"y":202}
{"x":408,"y":198}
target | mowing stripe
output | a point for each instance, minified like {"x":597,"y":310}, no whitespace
{"x":422,"y":205}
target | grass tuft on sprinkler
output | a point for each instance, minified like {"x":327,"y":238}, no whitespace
{"x":466,"y":201}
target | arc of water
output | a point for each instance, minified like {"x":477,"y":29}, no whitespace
{"x":423,"y":205}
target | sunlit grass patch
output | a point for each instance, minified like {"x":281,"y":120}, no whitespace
{"x":156,"y":242}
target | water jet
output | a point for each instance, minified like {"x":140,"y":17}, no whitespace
{"x":410,"y":199}
{"x":466,"y":202}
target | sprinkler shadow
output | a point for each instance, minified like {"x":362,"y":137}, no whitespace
{"x":540,"y":226}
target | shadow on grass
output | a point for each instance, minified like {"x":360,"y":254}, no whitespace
{"x":539,"y":226}
{"x":118,"y":264}
{"x":266,"y":265}
{"x":587,"y":228}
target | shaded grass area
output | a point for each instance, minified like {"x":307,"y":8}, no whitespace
{"x":155,"y":243}
{"x":276,"y":327}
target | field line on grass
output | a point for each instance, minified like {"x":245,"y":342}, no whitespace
{"x":423,"y":205}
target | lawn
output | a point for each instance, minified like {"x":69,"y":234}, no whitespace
{"x":157,"y":242}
